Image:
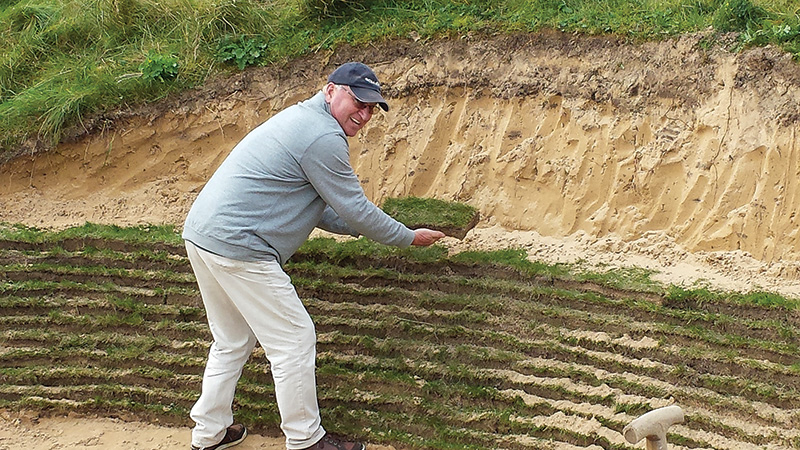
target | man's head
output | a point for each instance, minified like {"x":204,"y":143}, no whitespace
{"x":353,"y":92}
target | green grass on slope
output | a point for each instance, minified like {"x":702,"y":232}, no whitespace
{"x":62,"y":60}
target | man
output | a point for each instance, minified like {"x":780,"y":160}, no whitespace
{"x":286,"y":177}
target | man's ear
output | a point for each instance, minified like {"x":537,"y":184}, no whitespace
{"x":328,"y":91}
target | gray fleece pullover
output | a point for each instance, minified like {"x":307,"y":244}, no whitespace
{"x":290,"y":174}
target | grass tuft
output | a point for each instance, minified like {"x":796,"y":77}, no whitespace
{"x":739,"y":15}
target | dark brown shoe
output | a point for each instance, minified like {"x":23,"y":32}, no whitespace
{"x":234,"y":435}
{"x":333,"y":442}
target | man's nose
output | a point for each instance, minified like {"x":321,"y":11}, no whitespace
{"x":365,"y":114}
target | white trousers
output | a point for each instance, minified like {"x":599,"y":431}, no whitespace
{"x":245,"y":302}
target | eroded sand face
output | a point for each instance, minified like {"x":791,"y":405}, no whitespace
{"x":662,"y":155}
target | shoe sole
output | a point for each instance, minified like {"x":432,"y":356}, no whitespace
{"x":236,"y":442}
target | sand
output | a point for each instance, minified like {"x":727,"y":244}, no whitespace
{"x":28,"y":431}
{"x":601,"y":153}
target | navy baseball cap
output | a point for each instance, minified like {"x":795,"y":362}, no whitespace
{"x":362,"y":82}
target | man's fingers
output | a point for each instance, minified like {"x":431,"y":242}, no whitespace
{"x":425,"y":237}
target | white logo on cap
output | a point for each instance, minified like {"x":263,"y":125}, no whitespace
{"x":370,"y":81}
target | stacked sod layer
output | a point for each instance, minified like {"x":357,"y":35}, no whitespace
{"x":416,"y":349}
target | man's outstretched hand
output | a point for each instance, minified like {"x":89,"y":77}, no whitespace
{"x":424,"y":237}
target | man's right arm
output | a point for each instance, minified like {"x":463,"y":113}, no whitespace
{"x":327,"y":167}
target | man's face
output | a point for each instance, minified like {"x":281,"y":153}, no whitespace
{"x":351,"y":114}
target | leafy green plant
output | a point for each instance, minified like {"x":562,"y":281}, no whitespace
{"x":241,"y":50}
{"x":782,"y":33}
{"x":159,"y":67}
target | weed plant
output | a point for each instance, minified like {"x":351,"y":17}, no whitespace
{"x":65,"y":60}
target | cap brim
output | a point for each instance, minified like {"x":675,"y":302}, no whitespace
{"x":370,"y":96}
